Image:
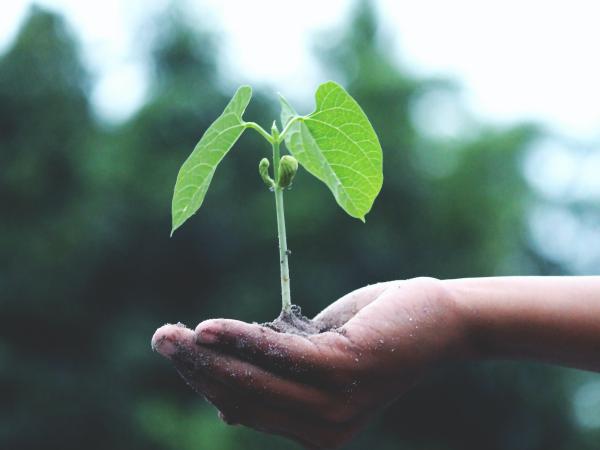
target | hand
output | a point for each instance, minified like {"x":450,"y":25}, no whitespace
{"x":319,"y":390}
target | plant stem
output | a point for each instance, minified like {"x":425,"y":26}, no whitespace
{"x":288,"y":126}
{"x":286,"y":302}
{"x":260,"y":130}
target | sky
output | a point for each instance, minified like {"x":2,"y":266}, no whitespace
{"x":515,"y":60}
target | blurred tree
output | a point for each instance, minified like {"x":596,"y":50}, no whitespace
{"x":46,"y":122}
{"x":46,"y":126}
{"x":88,"y":270}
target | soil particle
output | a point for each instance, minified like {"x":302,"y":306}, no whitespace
{"x":294,"y":322}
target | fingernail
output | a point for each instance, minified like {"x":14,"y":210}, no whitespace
{"x":165,"y":347}
{"x":163,"y":341}
{"x":207,"y":337}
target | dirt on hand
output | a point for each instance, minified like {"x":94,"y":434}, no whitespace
{"x":294,"y":322}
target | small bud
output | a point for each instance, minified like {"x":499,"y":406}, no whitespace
{"x":288,"y":166}
{"x":263,"y":170}
{"x":274,"y":130}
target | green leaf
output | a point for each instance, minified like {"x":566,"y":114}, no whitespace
{"x":197,"y":171}
{"x":338,"y":145}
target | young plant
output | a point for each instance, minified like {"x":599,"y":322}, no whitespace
{"x":336,"y":143}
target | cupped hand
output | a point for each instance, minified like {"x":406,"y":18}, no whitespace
{"x":321,"y":389}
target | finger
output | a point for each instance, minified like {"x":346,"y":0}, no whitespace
{"x":168,"y":339}
{"x":307,"y":358}
{"x":342,"y":310}
{"x":194,"y":362}
{"x":255,"y":381}
{"x":237,"y":407}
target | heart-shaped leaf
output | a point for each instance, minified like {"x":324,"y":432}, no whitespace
{"x":337,"y":144}
{"x":197,"y":171}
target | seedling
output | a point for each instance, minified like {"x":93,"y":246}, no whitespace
{"x":336,"y":143}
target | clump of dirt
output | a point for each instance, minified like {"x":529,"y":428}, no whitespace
{"x":294,"y":322}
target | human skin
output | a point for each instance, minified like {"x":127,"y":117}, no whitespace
{"x":322,"y":389}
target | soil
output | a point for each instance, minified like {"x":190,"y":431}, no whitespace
{"x":294,"y":322}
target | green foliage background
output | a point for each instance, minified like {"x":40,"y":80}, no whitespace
{"x":88,"y":272}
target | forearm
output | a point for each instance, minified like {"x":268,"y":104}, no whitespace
{"x":550,"y":319}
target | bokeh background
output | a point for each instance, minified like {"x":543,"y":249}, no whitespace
{"x":88,"y":272}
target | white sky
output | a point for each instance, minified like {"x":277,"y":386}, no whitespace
{"x":515,"y":59}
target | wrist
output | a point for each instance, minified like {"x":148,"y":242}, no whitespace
{"x":466,"y":343}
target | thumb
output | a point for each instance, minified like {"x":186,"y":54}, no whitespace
{"x":344,"y":309}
